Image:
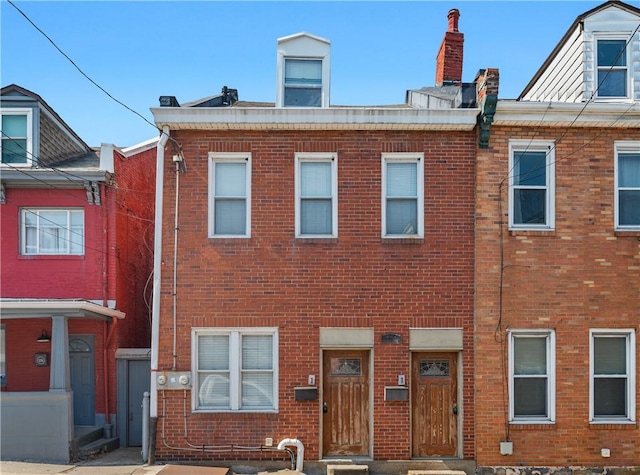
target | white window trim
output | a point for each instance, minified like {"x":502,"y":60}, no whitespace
{"x":624,"y":147}
{"x":551,"y":376}
{"x":628,"y":67}
{"x":230,"y":157}
{"x":320,"y":158}
{"x":29,"y":152}
{"x":534,"y":146}
{"x":37,"y":211}
{"x":324,"y":86}
{"x":631,"y":375}
{"x":406,"y":158}
{"x":235,"y":349}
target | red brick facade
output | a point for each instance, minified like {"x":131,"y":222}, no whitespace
{"x":357,"y":280}
{"x":581,"y":276}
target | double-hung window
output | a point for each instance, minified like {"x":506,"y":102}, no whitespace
{"x":627,"y":185}
{"x":613,"y":74}
{"x":531,"y":376}
{"x":531,"y":185}
{"x":316,"y":195}
{"x":402,"y":195}
{"x":302,"y":82}
{"x":17,"y":140}
{"x":612,"y":381}
{"x":52,"y":231}
{"x":236,"y":370}
{"x":229,"y":194}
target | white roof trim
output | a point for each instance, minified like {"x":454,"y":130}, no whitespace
{"x":289,"y":118}
{"x":301,"y":34}
{"x":38,"y":308}
{"x":595,"y":114}
{"x":140,"y":147}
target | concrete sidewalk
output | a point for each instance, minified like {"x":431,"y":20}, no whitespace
{"x":126,"y":461}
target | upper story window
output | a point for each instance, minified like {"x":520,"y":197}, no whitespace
{"x":302,"y":82}
{"x":52,"y":231}
{"x":316,"y":195}
{"x":229,"y":194}
{"x":531,"y":376}
{"x":403,"y":195}
{"x":613,"y":73}
{"x":627,"y":185}
{"x":235,"y":370}
{"x":303,"y":71}
{"x":17,"y":140}
{"x":612,"y":382}
{"x":531,"y":185}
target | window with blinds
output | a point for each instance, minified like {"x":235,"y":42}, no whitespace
{"x":303,"y":82}
{"x":316,"y":195}
{"x":403,"y":195}
{"x":531,"y":376}
{"x":612,"y":381}
{"x":236,"y":370}
{"x":229,"y":195}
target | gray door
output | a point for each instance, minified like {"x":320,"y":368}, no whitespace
{"x":138,"y":382}
{"x":82,"y":373}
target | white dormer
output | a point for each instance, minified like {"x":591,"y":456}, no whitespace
{"x":597,"y":59}
{"x":303,"y":71}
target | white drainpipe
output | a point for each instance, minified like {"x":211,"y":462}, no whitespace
{"x":157,"y":269}
{"x":299,"y":455}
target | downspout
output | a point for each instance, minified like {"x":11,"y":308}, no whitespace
{"x":157,"y":271}
{"x":105,"y":302}
{"x":177,"y":159}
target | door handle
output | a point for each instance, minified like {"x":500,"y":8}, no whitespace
{"x":325,"y":408}
{"x":455,"y":409}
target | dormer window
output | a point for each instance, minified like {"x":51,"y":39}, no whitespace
{"x":303,"y":71}
{"x":302,"y":82}
{"x":17,"y":141}
{"x":612,"y":68}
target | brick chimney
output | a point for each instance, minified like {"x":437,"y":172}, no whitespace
{"x":449,"y":60}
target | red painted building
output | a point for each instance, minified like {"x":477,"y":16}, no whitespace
{"x":314,"y":272}
{"x":73,"y":270}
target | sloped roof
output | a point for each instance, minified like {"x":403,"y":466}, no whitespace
{"x":577,"y":22}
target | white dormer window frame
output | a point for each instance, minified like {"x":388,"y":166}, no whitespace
{"x":14,"y":139}
{"x":303,"y":71}
{"x":606,"y":69}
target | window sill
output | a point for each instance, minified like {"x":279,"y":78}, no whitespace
{"x":50,"y":257}
{"x":402,"y":240}
{"x":629,"y":233}
{"x":533,"y":232}
{"x":532,"y":425}
{"x":229,"y":411}
{"x":317,"y":240}
{"x":613,"y":425}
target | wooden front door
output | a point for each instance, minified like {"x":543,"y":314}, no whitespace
{"x":434,"y":389}
{"x":345,"y":419}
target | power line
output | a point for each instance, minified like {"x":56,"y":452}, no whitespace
{"x":78,"y":67}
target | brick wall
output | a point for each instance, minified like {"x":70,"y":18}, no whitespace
{"x":581,"y":276}
{"x":300,"y":285}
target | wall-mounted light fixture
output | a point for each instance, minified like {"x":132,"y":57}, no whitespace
{"x":44,"y":337}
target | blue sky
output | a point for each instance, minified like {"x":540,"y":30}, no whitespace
{"x":138,"y":51}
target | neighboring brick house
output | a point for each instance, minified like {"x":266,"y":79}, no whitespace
{"x":72,"y":274}
{"x":558,"y":258}
{"x":314,"y":271}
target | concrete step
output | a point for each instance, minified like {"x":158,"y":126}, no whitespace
{"x":98,"y":446}
{"x":347,"y":469}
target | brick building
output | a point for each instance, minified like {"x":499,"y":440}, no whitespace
{"x":557,"y":258}
{"x":314,"y":271}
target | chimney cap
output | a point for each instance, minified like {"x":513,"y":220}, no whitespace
{"x":453,"y":16}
